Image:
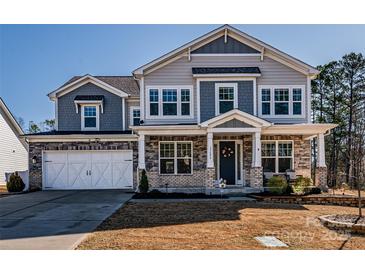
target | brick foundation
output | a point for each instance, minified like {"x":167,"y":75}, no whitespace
{"x":256,"y":177}
{"x":35,"y":149}
{"x":321,"y":178}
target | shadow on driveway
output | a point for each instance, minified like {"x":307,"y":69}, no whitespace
{"x":32,"y":220}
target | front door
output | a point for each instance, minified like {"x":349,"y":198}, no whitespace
{"x":227,"y":161}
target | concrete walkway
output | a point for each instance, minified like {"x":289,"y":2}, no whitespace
{"x":55,"y":219}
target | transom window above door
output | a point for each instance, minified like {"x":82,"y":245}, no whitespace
{"x":281,"y":101}
{"x":90,"y":117}
{"x":169,"y":102}
{"x":226,"y":97}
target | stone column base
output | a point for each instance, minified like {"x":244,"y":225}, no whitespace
{"x":209,"y":177}
{"x":321,"y":178}
{"x":256,"y":177}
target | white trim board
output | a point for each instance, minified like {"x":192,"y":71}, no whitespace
{"x":83,"y":81}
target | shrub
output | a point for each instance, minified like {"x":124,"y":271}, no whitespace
{"x":302,"y":185}
{"x":315,"y":190}
{"x":15,"y":183}
{"x":143,"y":182}
{"x":277,"y":185}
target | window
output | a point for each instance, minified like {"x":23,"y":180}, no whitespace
{"x":266,"y":101}
{"x":135,"y":116}
{"x":165,"y":102}
{"x":169,"y":98}
{"x":154,"y":102}
{"x":277,"y":156}
{"x":281,"y":101}
{"x":185,"y":102}
{"x":297,"y":101}
{"x":226,"y":97}
{"x":90,"y":117}
{"x":176,"y":157}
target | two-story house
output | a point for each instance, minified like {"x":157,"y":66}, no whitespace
{"x":223,"y":106}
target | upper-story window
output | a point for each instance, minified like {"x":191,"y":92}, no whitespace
{"x":281,"y":101}
{"x":225,"y":97}
{"x":166,"y":101}
{"x":90,"y":117}
{"x":135,"y":116}
{"x":154,"y":102}
{"x":169,"y":99}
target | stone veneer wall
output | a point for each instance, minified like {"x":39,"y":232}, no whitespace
{"x":201,"y":175}
{"x":35,"y":149}
{"x":302,"y":152}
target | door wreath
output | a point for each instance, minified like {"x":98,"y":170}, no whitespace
{"x":227,"y":152}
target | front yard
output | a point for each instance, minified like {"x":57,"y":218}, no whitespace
{"x":219,"y":225}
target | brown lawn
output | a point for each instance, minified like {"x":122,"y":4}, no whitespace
{"x":3,"y":189}
{"x":218,"y":225}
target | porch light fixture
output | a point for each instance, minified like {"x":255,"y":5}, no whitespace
{"x":34,"y":159}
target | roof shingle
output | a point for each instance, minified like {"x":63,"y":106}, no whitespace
{"x":125,"y":83}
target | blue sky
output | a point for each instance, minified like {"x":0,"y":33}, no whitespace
{"x":36,"y":59}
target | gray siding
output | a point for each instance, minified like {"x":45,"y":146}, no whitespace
{"x":207,"y":98}
{"x":110,"y":120}
{"x":218,"y":46}
{"x":234,"y":123}
{"x":272,"y":73}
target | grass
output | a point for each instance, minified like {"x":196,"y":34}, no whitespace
{"x":218,"y":225}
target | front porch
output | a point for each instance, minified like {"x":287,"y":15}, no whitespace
{"x":235,"y":147}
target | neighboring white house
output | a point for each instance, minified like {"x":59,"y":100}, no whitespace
{"x":13,"y":151}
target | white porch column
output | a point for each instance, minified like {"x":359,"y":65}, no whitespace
{"x":210,"y":160}
{"x":321,"y":151}
{"x":141,"y":149}
{"x":256,"y":149}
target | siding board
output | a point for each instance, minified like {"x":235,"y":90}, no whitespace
{"x":179,"y":72}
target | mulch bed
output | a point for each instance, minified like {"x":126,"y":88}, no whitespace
{"x":161,"y":195}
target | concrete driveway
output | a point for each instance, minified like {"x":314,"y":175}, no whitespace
{"x":55,"y":219}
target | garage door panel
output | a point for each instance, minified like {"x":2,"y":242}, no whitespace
{"x":102,"y":175}
{"x":88,"y":169}
{"x":122,"y":174}
{"x":55,"y":164}
{"x":78,"y":175}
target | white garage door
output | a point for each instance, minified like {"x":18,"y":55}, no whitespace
{"x":87,"y":169}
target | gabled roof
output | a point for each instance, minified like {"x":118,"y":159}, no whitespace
{"x":263,"y":48}
{"x":120,"y":85}
{"x":239,"y":115}
{"x":12,"y":122}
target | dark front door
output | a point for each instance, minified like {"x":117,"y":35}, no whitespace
{"x":227,"y":162}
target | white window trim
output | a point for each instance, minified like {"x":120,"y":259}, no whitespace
{"x":175,"y":158}
{"x":83,"y":128}
{"x":131,"y":109}
{"x":235,"y":95}
{"x":272,"y":101}
{"x":160,"y":102}
{"x":276,"y":157}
